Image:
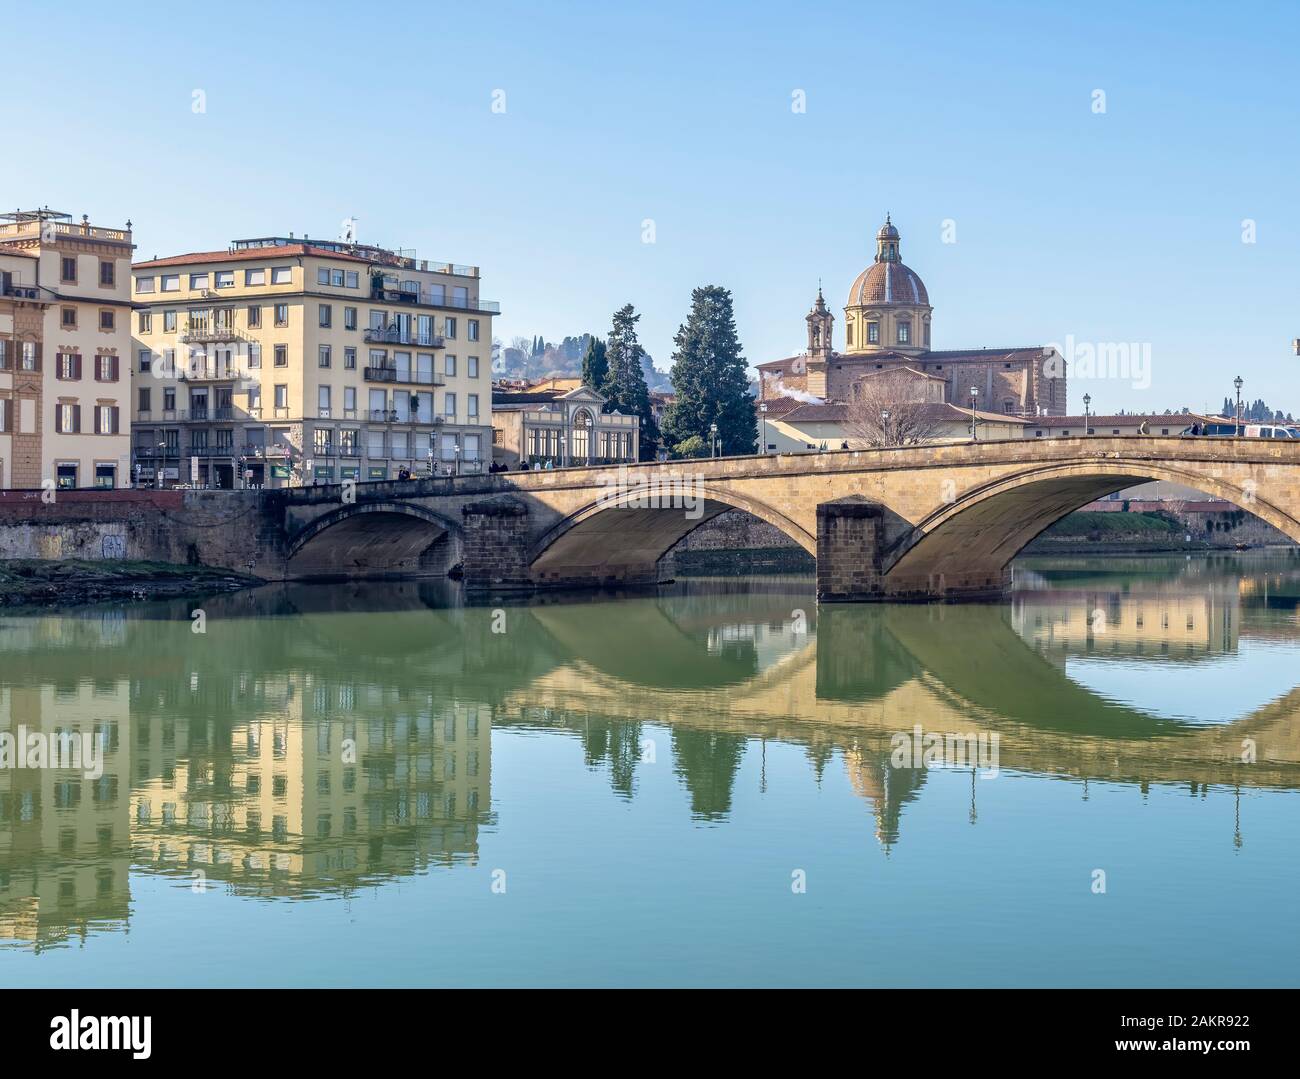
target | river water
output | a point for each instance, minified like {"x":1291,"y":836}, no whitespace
{"x":375,"y":784}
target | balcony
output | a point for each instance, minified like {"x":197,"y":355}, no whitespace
{"x":391,"y":335}
{"x":406,"y":378}
{"x":210,"y":451}
{"x":386,"y":415}
{"x":209,"y":333}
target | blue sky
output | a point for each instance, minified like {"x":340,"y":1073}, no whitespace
{"x":1122,"y":226}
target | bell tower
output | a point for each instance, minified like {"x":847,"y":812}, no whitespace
{"x":820,"y":321}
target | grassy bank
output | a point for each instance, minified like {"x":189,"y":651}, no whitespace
{"x":39,"y":583}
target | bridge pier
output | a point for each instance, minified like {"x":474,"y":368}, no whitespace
{"x":849,"y":535}
{"x":496,"y":545}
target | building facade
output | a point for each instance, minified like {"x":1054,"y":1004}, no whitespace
{"x":887,"y":326}
{"x":559,"y":423}
{"x":283,"y":362}
{"x":65,"y":343}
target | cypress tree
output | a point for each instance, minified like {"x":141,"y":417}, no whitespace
{"x":595,"y":365}
{"x":709,"y":378}
{"x":625,"y":384}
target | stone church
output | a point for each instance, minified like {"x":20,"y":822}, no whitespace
{"x":887,"y":326}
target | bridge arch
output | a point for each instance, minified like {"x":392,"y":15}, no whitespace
{"x":375,"y":539}
{"x":967,"y":545}
{"x":617,"y":539}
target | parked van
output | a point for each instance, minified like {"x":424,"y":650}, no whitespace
{"x":1251,"y":430}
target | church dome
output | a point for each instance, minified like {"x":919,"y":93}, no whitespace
{"x":887,"y":280}
{"x":888,"y":283}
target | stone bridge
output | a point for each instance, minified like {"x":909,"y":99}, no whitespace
{"x":932,"y":522}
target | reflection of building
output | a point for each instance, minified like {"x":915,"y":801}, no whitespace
{"x":306,"y":797}
{"x":65,"y":346}
{"x":309,"y":362}
{"x":1192,"y":625}
{"x":562,"y":425}
{"x":64,"y":844}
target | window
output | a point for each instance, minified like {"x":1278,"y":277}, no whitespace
{"x":254,"y":317}
{"x":449,"y":406}
{"x":471,"y":447}
{"x":326,"y":315}
{"x":224,"y":279}
{"x":31,"y":357}
{"x":281,"y":275}
{"x":471,"y":407}
{"x":67,"y":418}
{"x":67,"y":366}
{"x":450,"y":365}
{"x":282,"y":396}
{"x":146,"y":322}
{"x":336,"y":278}
{"x":69,"y":318}
{"x":106,"y":419}
{"x":198,"y":281}
{"x":447,"y":447}
{"x":6,"y":416}
{"x":350,"y":359}
{"x":349,"y":318}
{"x":904,"y":332}
{"x":927,"y":334}
{"x":472,"y":329}
{"x":144,"y":285}
{"x":472,"y":369}
{"x":281,"y":355}
{"x":171,"y":282}
{"x":282,"y":314}
{"x":106,"y":368}
{"x":873,"y":333}
{"x":68,"y":270}
{"x":323,"y":401}
{"x":323,"y":357}
{"x":323,"y":441}
{"x":107,"y":273}
{"x":323,"y":275}
{"x":352,"y":279}
{"x":145,"y":399}
{"x":349,"y":401}
{"x":449,"y":327}
{"x":146,"y":360}
{"x":254,"y":277}
{"x":848,"y":333}
{"x":169,"y":322}
{"x":67,"y":475}
{"x":107,"y":320}
{"x":254,"y":354}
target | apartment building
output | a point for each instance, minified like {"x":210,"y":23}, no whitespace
{"x":282,"y":362}
{"x":65,"y":346}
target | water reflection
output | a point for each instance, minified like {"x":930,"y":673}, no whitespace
{"x":320,"y":739}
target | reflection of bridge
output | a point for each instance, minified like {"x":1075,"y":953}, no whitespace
{"x":920,"y":522}
{"x":226,"y":755}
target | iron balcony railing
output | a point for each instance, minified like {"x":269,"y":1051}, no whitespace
{"x":412,"y":378}
{"x":392,"y":335}
{"x":388,"y":415}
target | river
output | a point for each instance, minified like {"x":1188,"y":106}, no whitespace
{"x":718,"y":784}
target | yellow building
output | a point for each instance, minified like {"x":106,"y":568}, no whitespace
{"x":282,"y":362}
{"x":65,"y":342}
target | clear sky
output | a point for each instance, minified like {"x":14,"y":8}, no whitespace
{"x":1117,"y":226}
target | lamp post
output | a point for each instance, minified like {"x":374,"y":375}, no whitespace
{"x":158,"y":468}
{"x":430,"y":456}
{"x":974,"y":396}
{"x":762,"y":426}
{"x":713,"y":440}
{"x":884,"y":426}
{"x":1237,"y":429}
{"x":564,"y":448}
{"x":1087,"y":400}
{"x":456,"y":448}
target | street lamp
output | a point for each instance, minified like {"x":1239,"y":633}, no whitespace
{"x":457,"y":449}
{"x":974,"y":396}
{"x":430,"y":455}
{"x":884,"y":425}
{"x":713,"y":440}
{"x":564,"y":448}
{"x":762,"y":426}
{"x":158,"y":466}
{"x":1087,"y":400}
{"x":1237,"y":382}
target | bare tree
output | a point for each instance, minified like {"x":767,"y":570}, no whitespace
{"x":882,"y":412}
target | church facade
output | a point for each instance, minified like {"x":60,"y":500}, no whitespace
{"x":887,"y":328}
